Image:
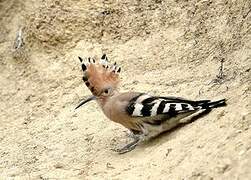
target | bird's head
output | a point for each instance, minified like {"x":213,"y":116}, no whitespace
{"x":101,"y":78}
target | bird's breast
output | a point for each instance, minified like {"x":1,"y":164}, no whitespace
{"x":115,"y":111}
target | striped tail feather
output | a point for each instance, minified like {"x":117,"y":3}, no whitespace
{"x":205,"y":107}
{"x":204,"y":104}
{"x":182,"y":100}
{"x":213,"y":104}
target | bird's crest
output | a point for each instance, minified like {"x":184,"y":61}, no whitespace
{"x":99,"y":75}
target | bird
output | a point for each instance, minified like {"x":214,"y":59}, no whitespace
{"x":145,"y":116}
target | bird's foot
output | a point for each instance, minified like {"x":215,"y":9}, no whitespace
{"x":130,"y":134}
{"x":127,"y":148}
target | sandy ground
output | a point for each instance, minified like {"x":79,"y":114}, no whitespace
{"x":170,"y":47}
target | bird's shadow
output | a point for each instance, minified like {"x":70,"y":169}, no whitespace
{"x":163,"y":137}
{"x":170,"y":134}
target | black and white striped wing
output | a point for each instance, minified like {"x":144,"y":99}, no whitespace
{"x":145,"y":105}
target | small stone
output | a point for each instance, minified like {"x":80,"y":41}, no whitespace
{"x":135,"y":82}
{"x":109,"y":165}
{"x":168,"y":151}
{"x":222,"y":168}
{"x":74,"y":128}
{"x":75,"y":115}
{"x":200,"y":146}
{"x":242,"y":152}
{"x":239,"y":131}
{"x":59,"y":165}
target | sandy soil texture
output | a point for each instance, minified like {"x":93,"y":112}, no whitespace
{"x":166,"y":47}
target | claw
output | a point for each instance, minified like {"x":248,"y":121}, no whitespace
{"x":127,"y":148}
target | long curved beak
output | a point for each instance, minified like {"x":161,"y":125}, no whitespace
{"x":85,"y":101}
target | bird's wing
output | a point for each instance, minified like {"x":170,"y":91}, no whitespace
{"x":145,"y":105}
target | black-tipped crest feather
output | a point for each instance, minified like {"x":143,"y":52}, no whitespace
{"x":81,"y":60}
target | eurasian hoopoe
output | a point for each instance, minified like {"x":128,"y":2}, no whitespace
{"x":144,"y":115}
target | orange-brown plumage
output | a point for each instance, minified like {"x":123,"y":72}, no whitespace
{"x":98,"y":76}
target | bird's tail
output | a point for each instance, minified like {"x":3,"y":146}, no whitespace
{"x":205,"y":107}
{"x":206,"y":104}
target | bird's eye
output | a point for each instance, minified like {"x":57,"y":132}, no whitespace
{"x":107,"y":91}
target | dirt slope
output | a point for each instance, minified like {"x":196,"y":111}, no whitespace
{"x":170,"y":47}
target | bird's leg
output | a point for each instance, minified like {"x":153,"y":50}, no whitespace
{"x":138,"y":136}
{"x":129,"y":147}
{"x":132,"y":133}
